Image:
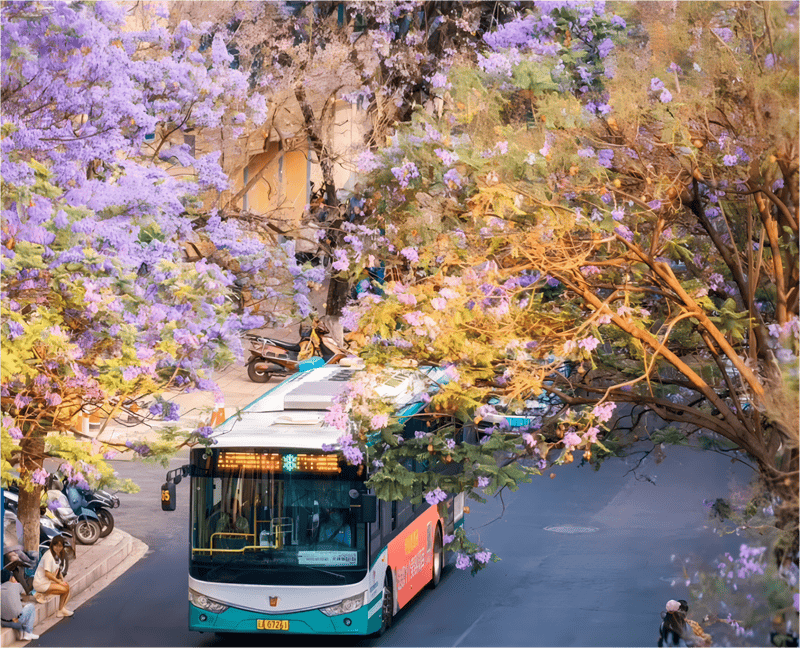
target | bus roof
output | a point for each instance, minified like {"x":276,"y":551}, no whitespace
{"x":292,"y":414}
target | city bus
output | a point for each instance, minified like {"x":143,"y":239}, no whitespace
{"x":285,"y":537}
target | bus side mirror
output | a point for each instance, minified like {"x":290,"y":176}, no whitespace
{"x":168,"y":496}
{"x":369,"y":508}
{"x":168,"y":502}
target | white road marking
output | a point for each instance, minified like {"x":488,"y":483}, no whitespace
{"x":458,"y":641}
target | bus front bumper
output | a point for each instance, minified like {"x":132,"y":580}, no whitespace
{"x":359,"y":622}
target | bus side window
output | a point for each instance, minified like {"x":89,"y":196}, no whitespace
{"x":375,"y":543}
{"x":386,"y":520}
{"x":405,"y":513}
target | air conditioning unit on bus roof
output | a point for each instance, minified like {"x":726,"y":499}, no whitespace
{"x":318,"y":393}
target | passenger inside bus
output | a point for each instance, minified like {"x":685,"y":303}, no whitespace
{"x":334,"y":528}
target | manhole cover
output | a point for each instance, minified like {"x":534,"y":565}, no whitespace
{"x":568,"y":528}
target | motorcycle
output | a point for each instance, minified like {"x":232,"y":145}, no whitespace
{"x":270,"y":357}
{"x":51,"y":523}
{"x":87,"y":526}
{"x":99,"y":501}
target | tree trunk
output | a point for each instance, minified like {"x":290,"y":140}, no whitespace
{"x":30,"y":500}
{"x":338,"y":289}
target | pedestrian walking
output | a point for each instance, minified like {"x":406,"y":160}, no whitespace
{"x":674,"y":632}
{"x":48,"y":578}
{"x":13,"y":609}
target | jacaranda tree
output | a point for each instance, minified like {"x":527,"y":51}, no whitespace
{"x":99,"y":306}
{"x":308,"y":59}
{"x":588,"y":230}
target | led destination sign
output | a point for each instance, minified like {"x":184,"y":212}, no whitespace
{"x":277,"y":462}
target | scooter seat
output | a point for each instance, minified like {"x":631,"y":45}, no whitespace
{"x":288,"y":346}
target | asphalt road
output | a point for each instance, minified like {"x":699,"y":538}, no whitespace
{"x":603,"y":586}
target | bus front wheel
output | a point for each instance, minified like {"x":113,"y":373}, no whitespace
{"x":438,"y":558}
{"x":387,"y":609}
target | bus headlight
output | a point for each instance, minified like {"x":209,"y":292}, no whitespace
{"x":205,"y":603}
{"x":344,"y":607}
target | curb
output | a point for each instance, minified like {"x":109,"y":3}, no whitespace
{"x":112,"y":556}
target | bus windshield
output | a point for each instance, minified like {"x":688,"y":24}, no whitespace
{"x":275,"y":517}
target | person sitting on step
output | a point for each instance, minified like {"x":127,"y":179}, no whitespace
{"x":13,"y":610}
{"x":48,"y":579}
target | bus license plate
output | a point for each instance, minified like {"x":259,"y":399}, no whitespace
{"x":272,"y":624}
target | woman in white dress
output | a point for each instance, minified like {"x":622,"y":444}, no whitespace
{"x":48,"y":579}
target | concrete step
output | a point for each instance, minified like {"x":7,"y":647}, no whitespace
{"x":91,"y":564}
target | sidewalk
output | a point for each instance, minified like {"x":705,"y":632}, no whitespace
{"x":94,"y":568}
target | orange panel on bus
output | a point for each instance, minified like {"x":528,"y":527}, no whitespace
{"x":411,"y":556}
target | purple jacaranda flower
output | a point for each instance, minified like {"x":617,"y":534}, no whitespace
{"x":604,"y":157}
{"x":379,"y":421}
{"x":730,"y":160}
{"x":462,"y":561}
{"x":439,"y":80}
{"x":656,"y":84}
{"x":618,"y":214}
{"x":435,"y":496}
{"x":624,"y":232}
{"x":604,"y":47}
{"x":665,"y":96}
{"x":405,"y":173}
{"x":39,"y":476}
{"x":591,"y":434}
{"x":14,"y":329}
{"x":204,"y":431}
{"x":341,"y":261}
{"x":410,"y":253}
{"x":452,"y":178}
{"x":483,"y":556}
{"x":407,"y":299}
{"x":571,"y":440}
{"x":619,"y":22}
{"x":654,"y":204}
{"x":353,"y":455}
{"x":448,"y":158}
{"x":447,"y":539}
{"x":604,"y":411}
{"x":483,"y":482}
{"x":590,"y":343}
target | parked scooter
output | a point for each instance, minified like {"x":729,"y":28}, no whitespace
{"x":270,"y":357}
{"x":51,"y":523}
{"x":87,"y":527}
{"x":99,"y":501}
